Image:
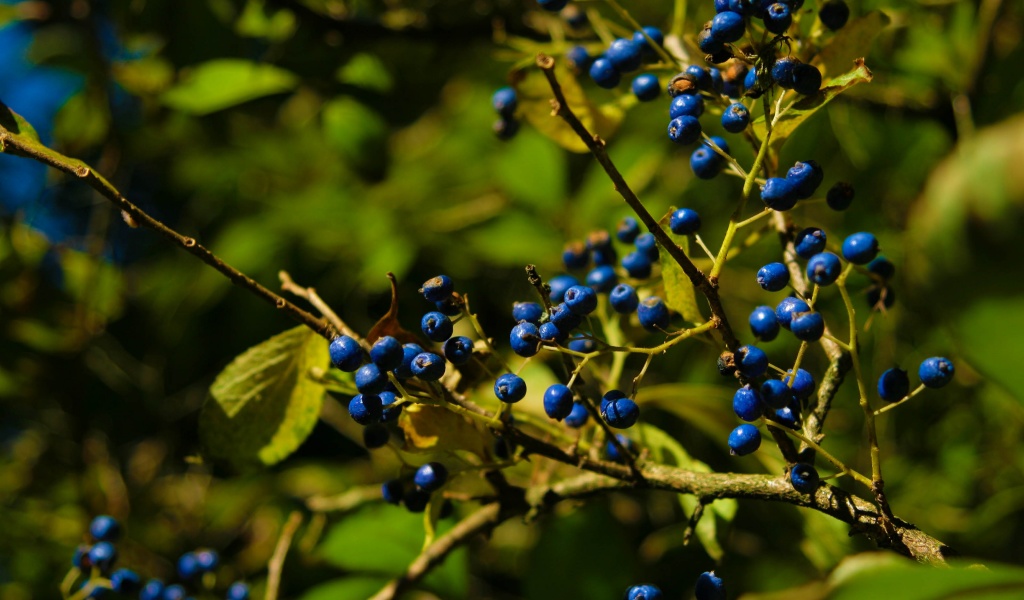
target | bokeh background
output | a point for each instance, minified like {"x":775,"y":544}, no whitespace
{"x":342,"y":140}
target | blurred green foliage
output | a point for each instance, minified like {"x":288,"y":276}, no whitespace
{"x":342,"y":140}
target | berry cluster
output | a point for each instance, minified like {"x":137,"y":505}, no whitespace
{"x":709,"y":587}
{"x":505,"y":103}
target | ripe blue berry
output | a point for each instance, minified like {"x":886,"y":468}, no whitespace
{"x":125,"y":581}
{"x":188,"y":566}
{"x":806,"y":79}
{"x":207,"y":559}
{"x":237,"y":591}
{"x":778,"y":18}
{"x":804,"y":478}
{"x":744,"y":439}
{"x":707,"y":42}
{"x":437,"y":288}
{"x":365,"y":408}
{"x":579,"y":58}
{"x":621,"y":413}
{"x":559,"y":284}
{"x":779,"y":194}
{"x":153,"y":590}
{"x":637,"y":264}
{"x":392,"y":491}
{"x":624,"y":54}
{"x":415,"y":500}
{"x":746,"y":403}
{"x":839,"y":196}
{"x":809,"y":242}
{"x":386,"y":353}
{"x":701,"y":76}
{"x":430,"y":477}
{"x":558,"y":401}
{"x":549,"y":332}
{"x":750,"y":79}
{"x":787,"y":416}
{"x":803,"y":386}
{"x":787,"y":308}
{"x":782,"y":71}
{"x":934,"y":372}
{"x":773,"y":277}
{"x":458,"y":350}
{"x":388,"y":401}
{"x":575,"y":255}
{"x":764,"y":324}
{"x":552,"y":5}
{"x":525,"y":339}
{"x":735,"y":118}
{"x":737,"y":6}
{"x":409,"y":352}
{"x":653,"y":314}
{"x":604,"y":73}
{"x":609,"y":397}
{"x":563,"y":318}
{"x":105,"y":528}
{"x":578,"y":417}
{"x":728,"y":26}
{"x":834,"y":14}
{"x":527,"y":311}
{"x":428,"y":366}
{"x":710,"y":587}
{"x":581,"y":299}
{"x":102,"y":556}
{"x":436,"y":326}
{"x":717,"y":81}
{"x":375,"y":436}
{"x":893,"y":384}
{"x":807,"y":176}
{"x":370,"y":379}
{"x":751,"y":361}
{"x":686,"y":105}
{"x":646,"y":87}
{"x":623,"y":298}
{"x":684,"y":221}
{"x":824,"y":268}
{"x":346,"y":354}
{"x":652,"y":32}
{"x":860,"y":248}
{"x":602,"y":278}
{"x":646,"y":243}
{"x":684,"y":130}
{"x":505,"y":102}
{"x":509,"y":388}
{"x":706,"y":163}
{"x":174,"y":592}
{"x":776,"y":394}
{"x":613,"y":454}
{"x":645,"y":591}
{"x":628,"y":230}
{"x":807,"y":326}
{"x":582,"y":343}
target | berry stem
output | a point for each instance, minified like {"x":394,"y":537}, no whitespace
{"x":917,"y":391}
{"x":276,"y":564}
{"x":637,"y":27}
{"x":757,"y":217}
{"x":824,"y":453}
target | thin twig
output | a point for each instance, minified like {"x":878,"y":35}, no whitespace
{"x":276,"y":563}
{"x":310,"y":295}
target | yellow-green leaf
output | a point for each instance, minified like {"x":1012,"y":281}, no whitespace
{"x":680,"y":295}
{"x":264,"y":404}
{"x":436,"y":429}
{"x":853,"y":40}
{"x":535,"y":106}
{"x":223,"y":83}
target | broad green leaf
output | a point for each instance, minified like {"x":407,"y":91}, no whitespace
{"x":255,"y":21}
{"x":346,"y":588}
{"x":706,"y":407}
{"x":15,"y":125}
{"x":226,"y":82}
{"x":366,"y":71}
{"x":680,"y":295}
{"x":882,"y":577}
{"x":535,"y":106}
{"x":798,"y":112}
{"x":144,"y":77}
{"x":855,"y":39}
{"x":264,"y":404}
{"x":436,"y":429}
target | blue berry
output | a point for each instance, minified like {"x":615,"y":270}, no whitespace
{"x":527,"y":311}
{"x":807,"y":176}
{"x":809,"y":242}
{"x":773,"y":277}
{"x":609,"y":397}
{"x":752,"y":361}
{"x":578,"y":417}
{"x":764,"y":324}
{"x":174,"y":592}
{"x":652,"y":32}
{"x":505,"y":129}
{"x":750,"y":79}
{"x":386,"y":353}
{"x":375,"y":436}
{"x":776,"y":394}
{"x":370,"y":379}
{"x":787,"y":416}
{"x":787,"y":308}
{"x":437,"y":288}
{"x":388,"y":400}
{"x":509,"y":388}
{"x":701,"y":76}
{"x":779,"y":194}
{"x":559,"y":284}
{"x":735,"y":118}
{"x":409,"y":353}
{"x":581,"y":299}
{"x":207,"y":559}
{"x":391,"y":491}
{"x":860,"y":248}
{"x":450,"y":307}
{"x":824,"y":268}
{"x":746,"y":403}
{"x":934,"y":372}
{"x":806,"y":79}
{"x":582,"y":343}
{"x":563,"y":318}
{"x":804,"y":478}
{"x":552,"y":5}
{"x":646,"y":87}
{"x":575,"y":255}
{"x":684,"y":221}
{"x":558,"y":402}
{"x":834,"y":14}
{"x":579,"y":58}
{"x":706,"y":163}
{"x":621,"y":413}
{"x":807,"y":326}
{"x":717,"y":81}
{"x":648,"y":244}
{"x":602,"y":278}
{"x":430,"y":477}
{"x":803,"y":386}
{"x":628,"y":230}
{"x":458,"y":350}
{"x":102,"y":556}
{"x":613,"y":454}
{"x":549,"y":332}
{"x":153,"y":590}
{"x":684,"y":130}
{"x":736,"y":6}
{"x":686,"y":105}
{"x":105,"y":528}
{"x":645,"y":591}
{"x":623,"y":298}
{"x":188,"y":566}
{"x":436,"y":326}
{"x":346,"y":354}
{"x":624,"y":54}
{"x":125,"y":581}
{"x":637,"y":264}
{"x":744,"y":439}
{"x":728,"y":26}
{"x":505,"y":102}
{"x":428,"y":366}
{"x":882,"y":267}
{"x":710,"y":587}
{"x":365,"y":408}
{"x":653,"y":314}
{"x":237,"y":591}
{"x":839,"y":196}
{"x":604,"y":73}
{"x":778,"y":18}
{"x":893,"y":384}
{"x":782,"y":71}
{"x":80,"y":559}
{"x":416,"y":500}
{"x":525,"y":339}
{"x":707,"y":42}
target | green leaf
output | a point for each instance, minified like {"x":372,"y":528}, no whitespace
{"x":348,"y":588}
{"x":263,"y":405}
{"x":680,"y":295}
{"x":535,"y":106}
{"x":798,"y":112}
{"x":223,"y":83}
{"x":855,"y":39}
{"x":873,"y":576}
{"x":366,"y":71}
{"x":16,"y":125}
{"x":355,"y":130}
{"x":256,"y":22}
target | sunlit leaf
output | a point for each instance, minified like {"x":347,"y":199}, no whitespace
{"x":535,"y":107}
{"x":223,"y":83}
{"x":436,"y":429}
{"x":855,"y":39}
{"x":680,"y":295}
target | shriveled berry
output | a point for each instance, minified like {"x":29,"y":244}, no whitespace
{"x":510,"y":388}
{"x":936,"y":372}
{"x":437,"y":288}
